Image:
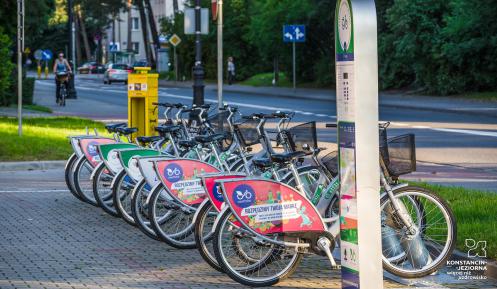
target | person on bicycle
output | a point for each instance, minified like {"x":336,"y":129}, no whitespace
{"x":61,"y":69}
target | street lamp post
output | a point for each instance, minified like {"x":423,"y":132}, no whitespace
{"x":71,"y":92}
{"x":220,"y":54}
{"x":20,"y":49}
{"x":198,"y":69}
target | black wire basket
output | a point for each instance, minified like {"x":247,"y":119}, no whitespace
{"x":330,"y":161}
{"x":400,"y":158}
{"x":302,"y":137}
{"x":247,"y":132}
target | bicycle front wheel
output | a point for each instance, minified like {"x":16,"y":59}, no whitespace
{"x":427,"y":248}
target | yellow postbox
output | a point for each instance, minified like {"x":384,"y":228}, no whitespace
{"x":142,"y":93}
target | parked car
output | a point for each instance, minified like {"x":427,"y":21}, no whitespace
{"x":140,"y":63}
{"x":116,"y":73}
{"x":92,"y":67}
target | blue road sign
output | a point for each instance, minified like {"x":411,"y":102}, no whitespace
{"x":113,"y":47}
{"x":46,"y":55}
{"x":294,"y":33}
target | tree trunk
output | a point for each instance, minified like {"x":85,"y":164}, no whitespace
{"x":153,"y":29}
{"x":84,"y":35}
{"x":78,"y":41}
{"x":175,"y":7}
{"x":143,"y":20}
{"x":129,"y":43}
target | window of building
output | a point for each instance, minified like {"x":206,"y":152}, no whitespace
{"x":135,"y":24}
{"x":136,"y":47}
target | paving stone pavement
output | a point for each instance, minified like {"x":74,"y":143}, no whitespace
{"x":49,"y":239}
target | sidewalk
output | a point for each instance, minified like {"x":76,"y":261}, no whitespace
{"x":387,"y":99}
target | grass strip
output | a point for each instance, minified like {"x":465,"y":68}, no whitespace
{"x":44,"y":138}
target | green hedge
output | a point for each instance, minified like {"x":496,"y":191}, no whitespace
{"x":28,"y":86}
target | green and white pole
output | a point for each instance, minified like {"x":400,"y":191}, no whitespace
{"x":357,"y":115}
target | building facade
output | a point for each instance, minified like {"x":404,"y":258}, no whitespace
{"x":116,"y":38}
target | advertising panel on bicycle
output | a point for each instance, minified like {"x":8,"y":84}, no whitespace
{"x":213,"y":189}
{"x":90,"y":149}
{"x":270,"y":207}
{"x":182,"y":179}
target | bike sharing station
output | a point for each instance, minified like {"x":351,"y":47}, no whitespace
{"x":142,"y":94}
{"x":280,"y":208}
{"x":357,"y":115}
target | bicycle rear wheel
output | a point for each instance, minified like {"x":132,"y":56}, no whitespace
{"x":206,"y":216}
{"x":139,"y":208}
{"x":102,"y":191}
{"x":68,"y":175}
{"x":433,"y":242}
{"x":122,"y":187}
{"x":82,"y":182}
{"x":170,"y":222}
{"x":249,"y":260}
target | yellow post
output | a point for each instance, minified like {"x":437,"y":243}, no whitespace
{"x":46,"y":71}
{"x":143,"y":91}
{"x":39,"y":70}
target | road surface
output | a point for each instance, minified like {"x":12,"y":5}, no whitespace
{"x":452,"y":149}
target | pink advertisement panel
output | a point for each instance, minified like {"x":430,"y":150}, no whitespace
{"x":182,"y":179}
{"x":270,"y":207}
{"x":90,"y":148}
{"x":213,"y":189}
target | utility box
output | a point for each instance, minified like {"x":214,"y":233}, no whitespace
{"x":143,"y":91}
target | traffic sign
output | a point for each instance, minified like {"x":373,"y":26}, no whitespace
{"x":214,"y":10}
{"x":27,"y":50}
{"x":162,"y":38}
{"x":38,"y":54}
{"x":113,"y":47}
{"x":175,"y":40}
{"x":294,"y":33}
{"x":46,"y":54}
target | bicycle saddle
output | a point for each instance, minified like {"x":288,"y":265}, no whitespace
{"x":168,"y":128}
{"x":210,"y":138}
{"x":126,"y":130}
{"x":148,"y":139}
{"x":262,"y":163}
{"x":187,"y":143}
{"x":113,"y":127}
{"x":287,"y":157}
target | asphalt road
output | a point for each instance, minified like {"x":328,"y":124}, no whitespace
{"x":453,"y":149}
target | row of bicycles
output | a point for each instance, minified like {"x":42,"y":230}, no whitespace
{"x":254,"y":201}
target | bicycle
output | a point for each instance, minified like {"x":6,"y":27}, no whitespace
{"x":407,"y":216}
{"x":63,"y":79}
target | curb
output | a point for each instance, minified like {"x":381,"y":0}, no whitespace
{"x":31,"y":166}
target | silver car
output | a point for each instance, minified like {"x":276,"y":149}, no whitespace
{"x":116,"y":72}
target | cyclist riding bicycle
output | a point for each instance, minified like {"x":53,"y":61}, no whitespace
{"x":62,"y":70}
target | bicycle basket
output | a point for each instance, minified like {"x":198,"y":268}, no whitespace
{"x":247,"y":132}
{"x":219,"y":122}
{"x":330,"y":161}
{"x":401,"y":155}
{"x":302,"y":136}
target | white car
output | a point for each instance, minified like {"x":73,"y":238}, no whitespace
{"x":116,"y":72}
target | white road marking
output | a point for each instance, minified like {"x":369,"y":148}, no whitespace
{"x":34,"y":191}
{"x":467,"y":131}
{"x":272,"y":108}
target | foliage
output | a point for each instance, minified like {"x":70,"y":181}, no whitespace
{"x":445,"y":47}
{"x":266,"y":79}
{"x":6,"y":69}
